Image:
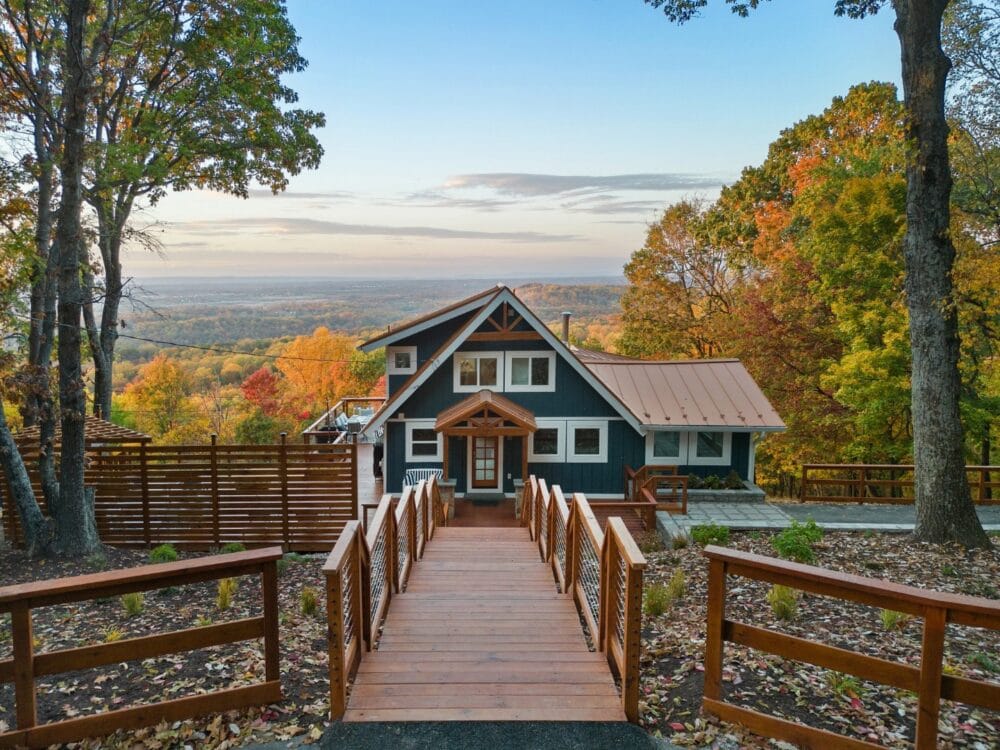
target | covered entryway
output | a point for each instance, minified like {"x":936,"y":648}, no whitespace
{"x":485,"y":421}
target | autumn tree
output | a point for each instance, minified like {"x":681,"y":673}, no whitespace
{"x":680,"y":287}
{"x":261,"y":389}
{"x":184,"y":102}
{"x":944,"y":503}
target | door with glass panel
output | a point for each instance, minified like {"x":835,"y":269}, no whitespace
{"x":484,"y":462}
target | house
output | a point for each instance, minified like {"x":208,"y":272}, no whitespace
{"x":484,"y":392}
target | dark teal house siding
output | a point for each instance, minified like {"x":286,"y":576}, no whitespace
{"x":427,"y":342}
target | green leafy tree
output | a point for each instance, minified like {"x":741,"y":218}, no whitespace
{"x":944,"y":504}
{"x":193,"y":98}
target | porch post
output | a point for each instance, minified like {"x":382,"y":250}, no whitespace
{"x":524,"y":457}
{"x":444,"y":457}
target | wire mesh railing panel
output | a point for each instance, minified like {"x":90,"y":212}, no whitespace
{"x":619,"y":589}
{"x":402,"y":544}
{"x":379,"y":564}
{"x":348,"y":593}
{"x":559,"y":542}
{"x":589,"y":576}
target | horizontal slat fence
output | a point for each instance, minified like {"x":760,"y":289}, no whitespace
{"x":27,"y":665}
{"x":198,"y":497}
{"x":884,"y":483}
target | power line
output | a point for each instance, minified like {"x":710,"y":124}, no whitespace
{"x":217,"y":350}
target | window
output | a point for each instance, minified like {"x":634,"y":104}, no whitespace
{"x":587,"y":442}
{"x":666,"y":448}
{"x":546,"y":444}
{"x":422,"y":442}
{"x":710,"y":448}
{"x":531,"y":371}
{"x":401,"y":360}
{"x":476,"y":370}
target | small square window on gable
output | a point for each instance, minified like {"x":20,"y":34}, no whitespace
{"x":401,"y":360}
{"x":477,"y":370}
{"x":531,"y":371}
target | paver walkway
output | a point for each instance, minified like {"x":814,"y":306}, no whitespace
{"x":481,"y":634}
{"x":831,"y":516}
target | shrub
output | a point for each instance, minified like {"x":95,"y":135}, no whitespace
{"x":112,"y":634}
{"x":133,"y":603}
{"x":677,"y":586}
{"x":892,"y":620}
{"x":710,"y":534}
{"x":679,"y":542}
{"x":163,"y":554}
{"x":795,"y":542}
{"x":784,"y":602}
{"x":985,"y":661}
{"x":309,"y":601}
{"x":224,"y":597}
{"x":844,"y":684}
{"x":656,"y":599}
{"x":282,"y":566}
{"x":96,"y":561}
{"x":649,"y":542}
{"x":733,"y":481}
{"x":233,"y":547}
{"x":202,"y":621}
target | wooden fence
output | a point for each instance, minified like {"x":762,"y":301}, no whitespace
{"x":884,"y":483}
{"x":928,"y":681}
{"x":661,"y":485}
{"x":26,"y":665}
{"x":363,"y":570}
{"x":602,"y":570}
{"x":199,"y":497}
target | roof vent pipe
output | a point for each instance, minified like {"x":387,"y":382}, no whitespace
{"x":565,"y":327}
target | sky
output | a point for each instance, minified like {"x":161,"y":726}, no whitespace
{"x":494,"y":140}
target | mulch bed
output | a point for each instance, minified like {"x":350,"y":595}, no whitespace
{"x":673,"y":647}
{"x":303,"y":714}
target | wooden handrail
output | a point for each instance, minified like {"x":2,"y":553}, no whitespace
{"x":26,"y":665}
{"x":622,"y":585}
{"x":362,"y":570}
{"x":857,"y":483}
{"x":931,"y":685}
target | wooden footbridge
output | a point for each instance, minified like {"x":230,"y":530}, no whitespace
{"x":533,"y":623}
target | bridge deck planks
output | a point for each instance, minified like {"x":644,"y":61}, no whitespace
{"x":481,"y":634}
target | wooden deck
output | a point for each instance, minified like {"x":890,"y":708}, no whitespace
{"x":482,"y":634}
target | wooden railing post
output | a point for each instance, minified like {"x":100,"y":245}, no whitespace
{"x":286,"y":527}
{"x":716,"y":620}
{"x":214,"y":489}
{"x":24,"y":665}
{"x":272,"y":644}
{"x":929,"y":697}
{"x":354,"y":480}
{"x":337,"y":665}
{"x":633,"y":641}
{"x":805,"y":483}
{"x":144,"y":490}
{"x":570,"y":571}
{"x":862,"y":483}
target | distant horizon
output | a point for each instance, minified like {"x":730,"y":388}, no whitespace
{"x":471,"y":139}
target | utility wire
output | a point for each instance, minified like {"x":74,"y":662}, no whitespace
{"x":199,"y":347}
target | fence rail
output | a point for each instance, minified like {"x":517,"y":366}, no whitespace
{"x":884,"y":483}
{"x":362,"y":572}
{"x":26,"y":665}
{"x":198,"y":497}
{"x":928,"y":681}
{"x":660,"y":485}
{"x":601,"y":570}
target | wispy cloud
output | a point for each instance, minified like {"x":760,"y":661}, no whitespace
{"x":284,"y":226}
{"x":332,"y":195}
{"x":530,"y":185}
{"x":439,"y":199}
{"x":603,"y":204}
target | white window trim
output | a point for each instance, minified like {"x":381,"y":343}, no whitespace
{"x":390,"y":360}
{"x":726,"y":459}
{"x":537,"y":354}
{"x":682,"y":447}
{"x":571,"y":426}
{"x":459,"y":388}
{"x":422,"y":424}
{"x":549,"y":458}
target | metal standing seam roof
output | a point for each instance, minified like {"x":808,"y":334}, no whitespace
{"x":690,"y":393}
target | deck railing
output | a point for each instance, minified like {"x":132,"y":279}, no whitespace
{"x":657,"y":484}
{"x":362,"y":572}
{"x":26,"y":665}
{"x":601,"y":570}
{"x":936,"y":608}
{"x":884,"y":483}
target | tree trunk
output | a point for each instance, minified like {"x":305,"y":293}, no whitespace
{"x":945,"y":512}
{"x":111,"y":225}
{"x":73,"y":514}
{"x":36,"y":528}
